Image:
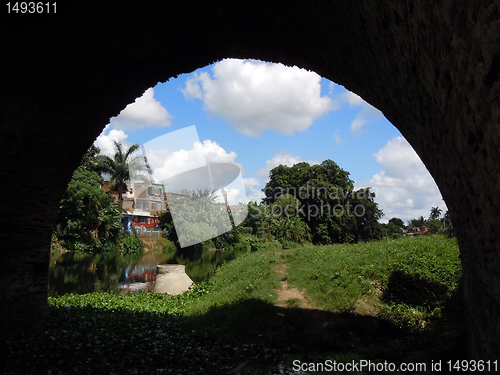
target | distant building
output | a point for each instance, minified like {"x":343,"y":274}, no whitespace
{"x":140,"y":210}
{"x":126,"y":190}
{"x":417,"y":231}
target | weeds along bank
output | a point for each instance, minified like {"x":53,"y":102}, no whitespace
{"x":409,"y":284}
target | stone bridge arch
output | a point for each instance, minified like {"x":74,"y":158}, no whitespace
{"x":432,"y":69}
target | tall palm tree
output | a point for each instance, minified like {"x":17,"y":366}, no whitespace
{"x":435,"y":213}
{"x":118,"y":167}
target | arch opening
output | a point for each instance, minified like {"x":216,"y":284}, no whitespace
{"x":408,"y":61}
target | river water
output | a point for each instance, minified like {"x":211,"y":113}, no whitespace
{"x":81,"y":273}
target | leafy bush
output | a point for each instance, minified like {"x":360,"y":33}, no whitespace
{"x":87,"y":214}
{"x":242,"y":246}
{"x":244,"y":230}
{"x":170,"y":248}
{"x":109,"y":247}
{"x":290,"y":244}
{"x":226,"y":240}
{"x":132,"y":246}
{"x":434,"y":225}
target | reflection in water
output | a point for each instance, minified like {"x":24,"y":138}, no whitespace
{"x":82,"y":273}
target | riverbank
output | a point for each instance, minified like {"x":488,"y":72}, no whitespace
{"x":391,"y":300}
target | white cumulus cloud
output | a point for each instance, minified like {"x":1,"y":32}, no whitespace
{"x":105,"y":141}
{"x":254,"y":96}
{"x":145,"y":112}
{"x":283,"y":158}
{"x":165,"y":163}
{"x":405,"y":188}
{"x":253,"y":189}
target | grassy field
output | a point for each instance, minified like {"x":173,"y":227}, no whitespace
{"x":394,"y":300}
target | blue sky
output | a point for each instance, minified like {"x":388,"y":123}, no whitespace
{"x":260,"y":115}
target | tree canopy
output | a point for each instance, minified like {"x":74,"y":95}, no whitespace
{"x":325,"y":200}
{"x":89,"y":219}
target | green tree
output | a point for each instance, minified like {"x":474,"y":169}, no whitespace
{"x":286,"y":205}
{"x":435,"y":213}
{"x":397,"y":221}
{"x":118,"y":167}
{"x":414,"y":223}
{"x":393,"y":230}
{"x":434,"y":225}
{"x":368,"y":214}
{"x":256,"y":219}
{"x":327,"y":201}
{"x":285,"y":222}
{"x":89,"y":219}
{"x":90,"y":161}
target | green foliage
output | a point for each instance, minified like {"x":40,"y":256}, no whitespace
{"x":193,"y":232}
{"x":322,"y":198}
{"x":90,"y":161}
{"x":286,"y":205}
{"x":398,"y":222}
{"x":280,"y":220}
{"x":447,"y":220}
{"x":257,"y":220}
{"x":227,"y":240}
{"x":393,"y":230}
{"x":132,"y":246}
{"x":434,"y":225}
{"x":170,"y":248}
{"x":367,"y":215}
{"x":105,"y":333}
{"x":109,"y":247}
{"x":167,"y":225}
{"x":88,"y":217}
{"x":415,"y":223}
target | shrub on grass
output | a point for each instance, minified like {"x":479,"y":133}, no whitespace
{"x":132,"y":246}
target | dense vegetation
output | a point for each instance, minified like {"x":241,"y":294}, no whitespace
{"x":303,"y":204}
{"x":325,"y":201}
{"x":379,"y":300}
{"x":435,"y":224}
{"x":89,"y":217}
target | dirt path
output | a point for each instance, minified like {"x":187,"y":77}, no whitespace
{"x":302,"y":327}
{"x":291,"y":297}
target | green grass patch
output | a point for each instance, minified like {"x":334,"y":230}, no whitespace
{"x":251,"y":275}
{"x":419,"y":271}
